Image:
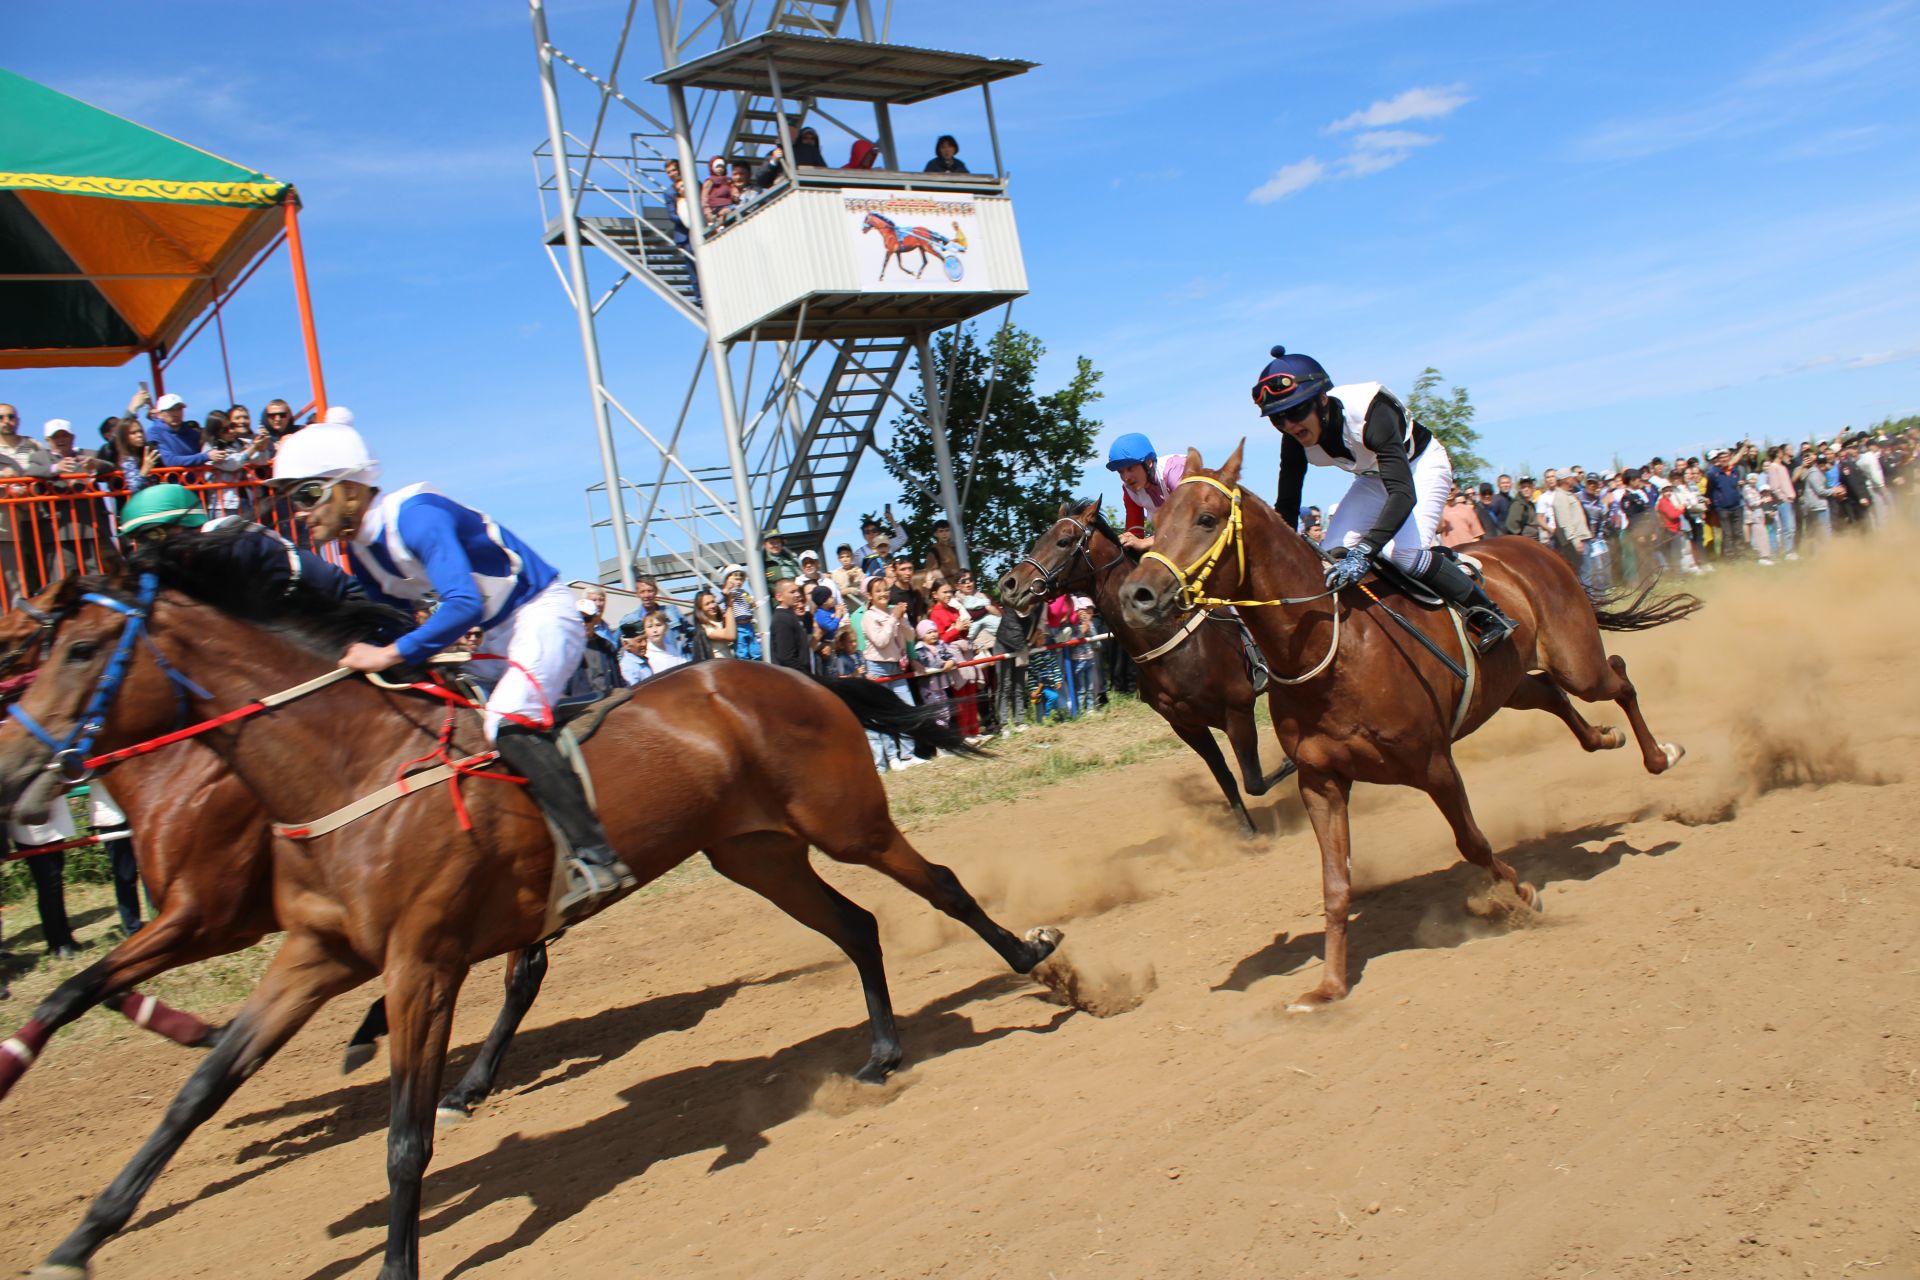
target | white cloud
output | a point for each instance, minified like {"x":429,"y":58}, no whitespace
{"x":1288,"y":179}
{"x":1393,"y":140}
{"x":1429,"y":103}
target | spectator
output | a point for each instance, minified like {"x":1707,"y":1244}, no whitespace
{"x":946,"y":156}
{"x":1786,"y":515}
{"x":901,"y":589}
{"x":792,"y":645}
{"x":806,"y":149}
{"x":593,"y":607}
{"x":1084,"y":657}
{"x":1816,"y":512}
{"x":177,"y":439}
{"x":827,"y":620}
{"x":1727,"y":506}
{"x":1855,"y":503}
{"x":936,"y":670}
{"x":599,"y":671}
{"x":847,"y":576}
{"x":739,"y":603}
{"x":865,"y":156}
{"x":775,"y":558}
{"x":79,"y":517}
{"x":659,"y":658}
{"x":135,"y":458}
{"x":1484,"y":510}
{"x":745,"y":191}
{"x":884,"y":627}
{"x":49,"y":872}
{"x":716,"y":193}
{"x":714,"y":629}
{"x":811,"y":577}
{"x":1523,"y":517}
{"x":646,"y":594}
{"x":23,"y":539}
{"x":1460,"y":521}
{"x":945,"y":557}
{"x":638,"y":662}
{"x":843,"y":655}
{"x":1596,"y":562}
{"x":1500,"y":501}
{"x":1543,"y":504}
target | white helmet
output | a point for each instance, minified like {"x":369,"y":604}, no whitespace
{"x":328,"y":450}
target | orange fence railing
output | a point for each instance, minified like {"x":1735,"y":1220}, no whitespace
{"x":50,"y":528}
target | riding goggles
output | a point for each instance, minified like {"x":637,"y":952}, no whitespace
{"x":308,"y":494}
{"x":1284,"y":387}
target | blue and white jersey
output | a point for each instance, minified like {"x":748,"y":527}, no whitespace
{"x":416,"y":539}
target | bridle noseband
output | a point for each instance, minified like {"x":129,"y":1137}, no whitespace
{"x":1051,"y":580}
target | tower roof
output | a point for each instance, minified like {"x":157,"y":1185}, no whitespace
{"x":835,"y":68}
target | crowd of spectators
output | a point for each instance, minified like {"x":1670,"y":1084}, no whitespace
{"x":1750,"y":502}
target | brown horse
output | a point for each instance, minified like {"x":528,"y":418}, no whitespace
{"x":900,"y":243}
{"x":206,"y":859}
{"x":1197,"y":685}
{"x":749,"y":763}
{"x":1384,"y":707}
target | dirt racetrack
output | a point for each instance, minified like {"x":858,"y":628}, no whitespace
{"x":1704,"y":1060}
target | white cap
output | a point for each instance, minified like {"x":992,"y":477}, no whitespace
{"x":729,"y":569}
{"x":55,"y":426}
{"x":329,"y":450}
{"x":809,"y":555}
{"x":1081,"y":602}
{"x":169,"y":401}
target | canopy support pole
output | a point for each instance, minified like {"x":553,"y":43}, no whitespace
{"x":304,"y":301}
{"x":159,"y":376}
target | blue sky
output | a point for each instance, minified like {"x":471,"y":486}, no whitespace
{"x":1626,"y":230}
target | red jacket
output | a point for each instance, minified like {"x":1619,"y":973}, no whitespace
{"x":947,"y":618}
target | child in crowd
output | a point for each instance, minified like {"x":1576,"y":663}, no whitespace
{"x":1084,"y":657}
{"x":842,"y":656}
{"x":738,"y":601}
{"x":937,"y":661}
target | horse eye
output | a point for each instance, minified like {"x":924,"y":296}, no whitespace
{"x":1207,"y":520}
{"x":1065,"y":541}
{"x":82,"y":651}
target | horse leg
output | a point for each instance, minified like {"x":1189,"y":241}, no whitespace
{"x":1449,"y":792}
{"x":940,"y":887}
{"x":1325,"y":797}
{"x":167,"y":942}
{"x":1657,"y":756}
{"x":360,"y":1048}
{"x":1579,"y":663}
{"x":420,"y":1000}
{"x":302,"y":977}
{"x":775,"y":867}
{"x":1538,"y":693}
{"x":1200,"y":738}
{"x":524,"y":975}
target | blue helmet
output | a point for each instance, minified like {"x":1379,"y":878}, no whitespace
{"x":1288,"y":382}
{"x":1130,"y":449}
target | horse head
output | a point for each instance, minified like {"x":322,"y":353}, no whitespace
{"x":1193,"y":533}
{"x":1061,"y":558}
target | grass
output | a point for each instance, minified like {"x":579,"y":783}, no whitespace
{"x":1127,"y":732}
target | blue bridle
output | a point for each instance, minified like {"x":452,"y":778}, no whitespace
{"x":70,"y":753}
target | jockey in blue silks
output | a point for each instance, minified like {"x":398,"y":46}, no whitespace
{"x":403,"y":544}
{"x":1146,"y":482}
{"x":1401,"y":479}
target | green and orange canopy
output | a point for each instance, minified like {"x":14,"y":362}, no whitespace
{"x":113,"y":238}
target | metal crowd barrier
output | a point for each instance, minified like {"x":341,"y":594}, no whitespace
{"x":50,"y":528}
{"x":1035,"y":708}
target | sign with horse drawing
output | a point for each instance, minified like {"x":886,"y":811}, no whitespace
{"x":916,"y":241}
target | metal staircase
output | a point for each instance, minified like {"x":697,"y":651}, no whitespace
{"x":838,"y":431}
{"x":756,"y":126}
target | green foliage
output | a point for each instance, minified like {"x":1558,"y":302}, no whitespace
{"x":1031,"y":452}
{"x":1449,"y":416}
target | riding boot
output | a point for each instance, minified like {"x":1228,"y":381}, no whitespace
{"x":1256,"y":662}
{"x":1453,"y":584}
{"x":597,"y":877}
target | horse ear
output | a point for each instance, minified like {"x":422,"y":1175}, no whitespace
{"x":1229,"y":473}
{"x":66,"y":592}
{"x":1067,"y":506}
{"x":1193,"y":461}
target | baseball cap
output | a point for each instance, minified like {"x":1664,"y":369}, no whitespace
{"x":55,"y":426}
{"x":169,"y":401}
{"x":809,"y":555}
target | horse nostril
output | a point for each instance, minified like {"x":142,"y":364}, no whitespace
{"x":1143,"y":596}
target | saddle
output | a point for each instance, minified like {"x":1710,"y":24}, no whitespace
{"x":1417,"y":591}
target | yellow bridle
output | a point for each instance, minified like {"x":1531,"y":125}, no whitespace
{"x":1193,"y":578}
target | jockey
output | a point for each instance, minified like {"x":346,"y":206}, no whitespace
{"x":253,"y":556}
{"x":402,"y":544}
{"x":1402,"y":477}
{"x":1146,"y":482}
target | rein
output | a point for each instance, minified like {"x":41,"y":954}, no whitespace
{"x":1083,"y":550}
{"x":1193,"y":580}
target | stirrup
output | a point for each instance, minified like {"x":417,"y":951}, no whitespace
{"x":592,"y":886}
{"x":1492,"y":625}
{"x":1254,"y":661}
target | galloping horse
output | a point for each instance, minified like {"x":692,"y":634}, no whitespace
{"x":749,"y":763}
{"x":900,"y":243}
{"x":1382,"y":707}
{"x":1190,"y":670}
{"x":206,"y":857}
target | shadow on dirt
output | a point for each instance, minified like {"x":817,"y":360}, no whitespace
{"x":724,"y":1107}
{"x":1430,"y":912}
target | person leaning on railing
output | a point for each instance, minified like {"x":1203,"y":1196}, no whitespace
{"x":25,"y":459}
{"x":79,"y":518}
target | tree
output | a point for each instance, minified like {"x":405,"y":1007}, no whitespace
{"x":1450,"y":418}
{"x":1016,"y":452}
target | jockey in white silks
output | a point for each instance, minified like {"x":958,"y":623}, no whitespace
{"x":404,"y":544}
{"x":1146,"y":482}
{"x":1401,"y":479}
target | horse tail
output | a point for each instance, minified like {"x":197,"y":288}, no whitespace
{"x":1625,"y":609}
{"x":880,"y":710}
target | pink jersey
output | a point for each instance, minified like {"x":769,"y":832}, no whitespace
{"x":1142,"y":503}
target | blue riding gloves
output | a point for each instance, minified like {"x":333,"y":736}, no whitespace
{"x":1350,"y":568}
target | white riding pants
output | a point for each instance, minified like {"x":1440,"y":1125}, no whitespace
{"x":1360,"y":509}
{"x":544,"y":641}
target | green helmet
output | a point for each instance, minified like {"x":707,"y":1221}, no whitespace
{"x":161,"y":504}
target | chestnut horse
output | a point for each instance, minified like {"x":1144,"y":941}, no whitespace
{"x":900,"y":243}
{"x":1199,"y":684}
{"x":1383,"y":708}
{"x":206,"y":859}
{"x":746,"y":762}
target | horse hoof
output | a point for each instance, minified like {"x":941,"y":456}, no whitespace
{"x":1537,"y":899}
{"x":450,"y":1117}
{"x":1046,"y":938}
{"x":57,"y":1271}
{"x":1674,"y":753}
{"x":356,"y":1057}
{"x":1312,"y":1002}
{"x":875,"y":1073}
{"x":1611,"y":739}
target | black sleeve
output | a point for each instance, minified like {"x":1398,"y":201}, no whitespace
{"x":790,"y":641}
{"x":1293,"y":474}
{"x":1386,"y":435}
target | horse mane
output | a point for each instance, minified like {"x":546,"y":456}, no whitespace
{"x":201,"y":567}
{"x":1101,"y":523}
